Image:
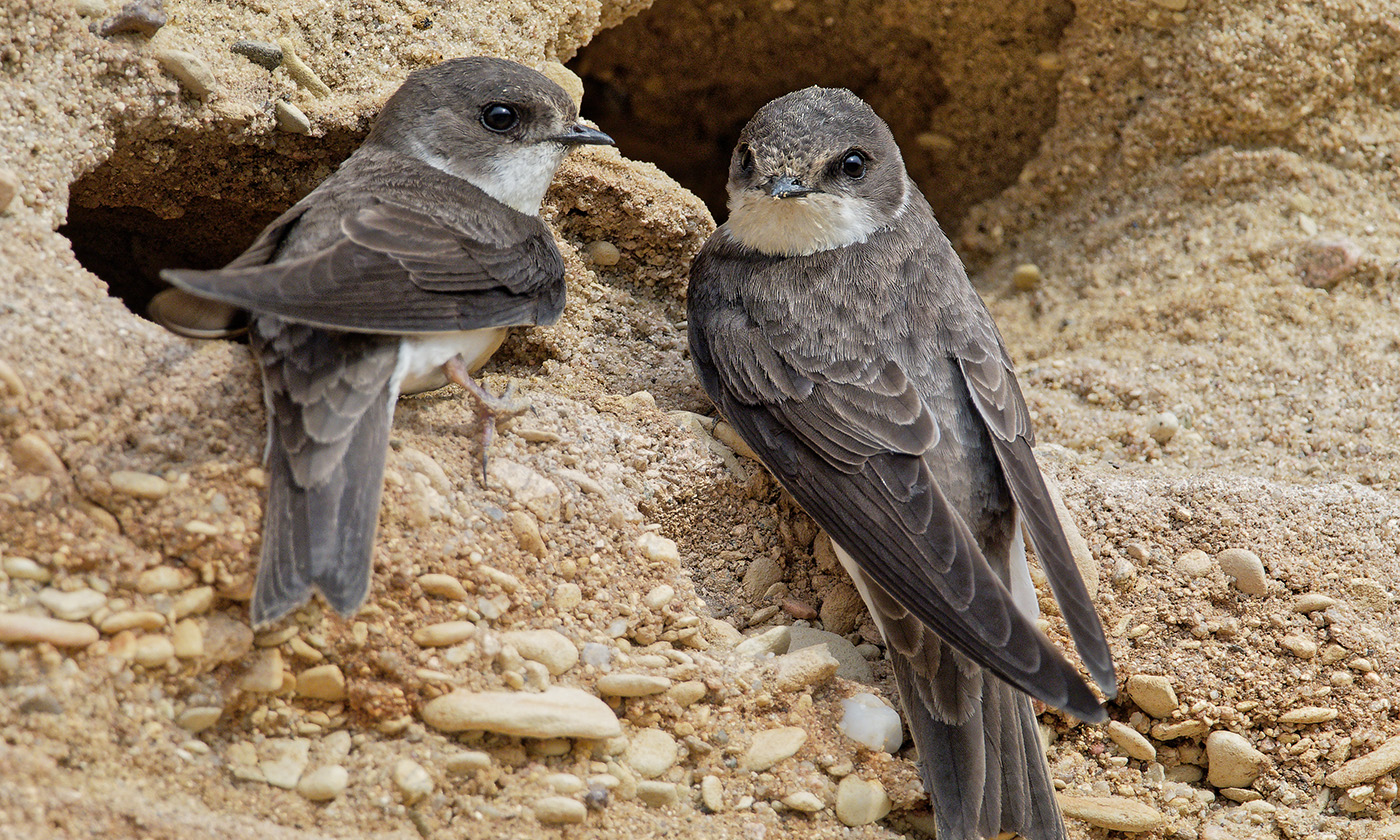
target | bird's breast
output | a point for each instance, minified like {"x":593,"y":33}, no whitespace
{"x":422,"y":356}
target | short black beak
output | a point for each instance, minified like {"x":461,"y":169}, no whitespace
{"x":582,"y":135}
{"x":786,"y":186}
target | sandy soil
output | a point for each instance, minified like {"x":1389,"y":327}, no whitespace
{"x":1209,"y":345}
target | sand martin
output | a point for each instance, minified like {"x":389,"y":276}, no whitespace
{"x":834,"y":326}
{"x":400,"y":272}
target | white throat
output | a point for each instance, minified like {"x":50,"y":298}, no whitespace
{"x":518,"y":177}
{"x":793,"y":227}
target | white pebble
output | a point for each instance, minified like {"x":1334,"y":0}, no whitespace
{"x":1246,"y":570}
{"x":866,"y":720}
{"x":412,"y":780}
{"x":324,"y":783}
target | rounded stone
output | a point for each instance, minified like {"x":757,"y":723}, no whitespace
{"x":1026,"y":277}
{"x":324,"y":783}
{"x":412,"y":780}
{"x":1245,"y":569}
{"x":652,"y":752}
{"x":1163,"y":426}
{"x":842,"y":609}
{"x":139,"y":485}
{"x":154,"y":651}
{"x":603,"y":254}
{"x":199,"y":718}
{"x":72,"y":606}
{"x":1232,"y":762}
{"x":32,"y":629}
{"x":553,"y":713}
{"x":1131,"y":742}
{"x":859,"y":802}
{"x":1112,"y":812}
{"x":443,"y":634}
{"x":324,"y":682}
{"x":632,"y":685}
{"x":443,"y":586}
{"x":659,"y":549}
{"x":659,"y":597}
{"x":658,"y":794}
{"x":804,"y":801}
{"x":559,"y":810}
{"x":550,"y":648}
{"x":772,"y":746}
{"x":1153,"y":694}
{"x":1195,"y":563}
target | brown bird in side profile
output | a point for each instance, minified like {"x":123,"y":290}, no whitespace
{"x":835,"y":328}
{"x":398,"y":273}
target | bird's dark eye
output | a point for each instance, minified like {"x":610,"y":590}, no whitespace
{"x":746,"y":160}
{"x":499,"y":118}
{"x":853,"y":165}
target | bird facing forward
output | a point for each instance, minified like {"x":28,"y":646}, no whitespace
{"x":835,"y":328}
{"x":400,"y":272}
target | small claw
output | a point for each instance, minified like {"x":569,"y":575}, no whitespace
{"x":490,"y":408}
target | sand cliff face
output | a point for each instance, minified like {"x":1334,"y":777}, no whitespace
{"x":1207,"y":194}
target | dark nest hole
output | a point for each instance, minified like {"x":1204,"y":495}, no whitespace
{"x":967,"y":90}
{"x":193,"y":200}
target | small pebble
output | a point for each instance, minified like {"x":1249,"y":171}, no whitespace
{"x":412,"y":781}
{"x":712,"y":794}
{"x":139,"y":485}
{"x":687,"y":693}
{"x":659,"y":597}
{"x":567,"y":596}
{"x":552,"y":713}
{"x":866,"y":720}
{"x":131,"y":620}
{"x":324,"y":783}
{"x":659,"y":549}
{"x":163,"y":579}
{"x":550,"y":648}
{"x":33,"y":629}
{"x":603,"y":254}
{"x":1026,"y":277}
{"x":31,"y":453}
{"x":771,"y":746}
{"x":775,"y":640}
{"x":1152,"y":694}
{"x":199,"y":718}
{"x":154,"y":651}
{"x":761,"y":574}
{"x":1308,"y":714}
{"x":1114,"y":813}
{"x":805,"y":668}
{"x":11,"y":386}
{"x":1131,"y":741}
{"x":324,"y":682}
{"x":264,"y":675}
{"x":1163,"y":427}
{"x":72,"y":606}
{"x":290,"y":118}
{"x":842,"y":609}
{"x":651,"y":752}
{"x":1324,"y":262}
{"x":1369,"y":767}
{"x":632,"y":685}
{"x":798,"y":609}
{"x":192,"y":71}
{"x":261,"y":53}
{"x":804,"y":801}
{"x":1231,"y":761}
{"x":142,"y":16}
{"x":528,"y":487}
{"x":1313,"y":602}
{"x":1301,"y":647}
{"x":282,"y":761}
{"x":22,"y":568}
{"x":187,"y":639}
{"x":559,"y":810}
{"x":467,"y":761}
{"x":658,"y":794}
{"x":444,"y":634}
{"x":564,"y":782}
{"x":859,"y":802}
{"x":1246,"y":570}
{"x":1195,"y":563}
{"x":193,"y":602}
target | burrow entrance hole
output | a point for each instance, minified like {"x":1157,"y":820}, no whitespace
{"x":968,"y":90}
